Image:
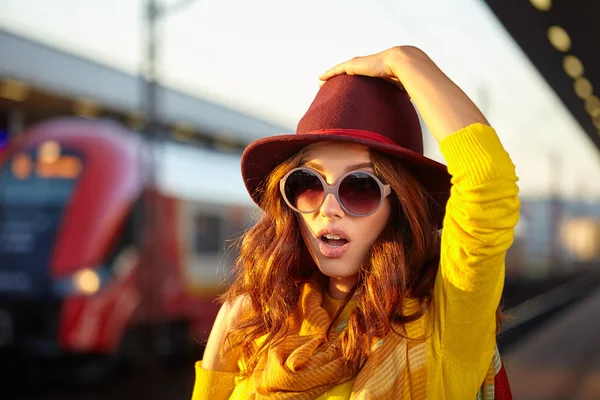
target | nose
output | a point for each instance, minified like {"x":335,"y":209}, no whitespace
{"x":331,"y":208}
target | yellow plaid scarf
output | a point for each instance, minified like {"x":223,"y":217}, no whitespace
{"x":305,"y":364}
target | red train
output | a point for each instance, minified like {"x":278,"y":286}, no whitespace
{"x":72,"y":275}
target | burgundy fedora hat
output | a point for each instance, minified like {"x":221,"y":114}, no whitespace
{"x":354,"y":109}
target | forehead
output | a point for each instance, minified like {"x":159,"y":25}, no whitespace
{"x":336,"y":152}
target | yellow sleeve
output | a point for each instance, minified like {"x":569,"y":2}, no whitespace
{"x":478,"y":229}
{"x":212,"y":385}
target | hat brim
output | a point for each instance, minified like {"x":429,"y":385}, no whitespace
{"x":262,"y":156}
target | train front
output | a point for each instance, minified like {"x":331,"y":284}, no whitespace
{"x":66,"y":190}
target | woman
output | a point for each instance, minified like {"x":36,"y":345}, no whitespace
{"x":346,"y":289}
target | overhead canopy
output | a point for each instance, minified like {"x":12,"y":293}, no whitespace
{"x":555,"y":35}
{"x":54,"y":73}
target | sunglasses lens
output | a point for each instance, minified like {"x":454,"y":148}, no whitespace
{"x":360,"y":193}
{"x":304,"y":190}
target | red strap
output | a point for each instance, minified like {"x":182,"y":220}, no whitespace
{"x":502,"y":386}
{"x":355,"y":133}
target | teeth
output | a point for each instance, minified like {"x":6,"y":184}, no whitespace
{"x":333,"y":237}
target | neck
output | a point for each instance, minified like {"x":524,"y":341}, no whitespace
{"x":338,"y":288}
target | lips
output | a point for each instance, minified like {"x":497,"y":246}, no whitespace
{"x":333,"y":242}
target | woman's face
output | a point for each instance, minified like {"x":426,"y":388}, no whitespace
{"x":338,"y":258}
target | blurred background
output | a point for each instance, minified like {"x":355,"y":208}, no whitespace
{"x":122,"y":123}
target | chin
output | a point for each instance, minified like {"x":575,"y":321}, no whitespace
{"x":337,"y":268}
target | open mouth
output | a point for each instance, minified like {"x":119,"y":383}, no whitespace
{"x":333,"y":243}
{"x":333,"y":240}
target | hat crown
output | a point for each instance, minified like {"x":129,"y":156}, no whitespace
{"x":367,"y":104}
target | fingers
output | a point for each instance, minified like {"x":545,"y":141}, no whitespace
{"x":337,"y":70}
{"x":324,"y":77}
{"x":347,"y":67}
{"x":373,"y":65}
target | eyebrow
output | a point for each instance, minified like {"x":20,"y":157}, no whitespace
{"x":319,"y":168}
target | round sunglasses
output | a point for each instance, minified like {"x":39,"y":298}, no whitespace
{"x":359,"y":193}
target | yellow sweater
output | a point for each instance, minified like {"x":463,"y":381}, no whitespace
{"x":478,"y":230}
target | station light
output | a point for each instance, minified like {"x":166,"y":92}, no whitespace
{"x":592,"y":106}
{"x":86,"y":108}
{"x":22,"y":166}
{"x":225,"y":143}
{"x":559,"y":38}
{"x":182,"y":130}
{"x":86,"y":281}
{"x":49,"y":152}
{"x":183,"y":126}
{"x":581,"y":237}
{"x":137,"y":120}
{"x":542,"y":5}
{"x":14,"y":90}
{"x":573,"y":66}
{"x":583,"y":88}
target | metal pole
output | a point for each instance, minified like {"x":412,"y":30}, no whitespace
{"x":150,"y":67}
{"x":151,"y":265}
{"x":148,"y":279}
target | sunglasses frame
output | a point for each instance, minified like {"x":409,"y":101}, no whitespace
{"x":384,"y":190}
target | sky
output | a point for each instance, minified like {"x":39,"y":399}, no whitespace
{"x":263,"y":57}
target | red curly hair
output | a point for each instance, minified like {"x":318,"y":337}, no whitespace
{"x":274,"y":262}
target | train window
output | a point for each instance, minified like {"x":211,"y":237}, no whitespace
{"x":208,"y":234}
{"x":128,"y":237}
{"x":35,"y":188}
{"x":42,"y":178}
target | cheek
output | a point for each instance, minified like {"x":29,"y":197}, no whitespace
{"x":304,"y":228}
{"x":307,"y":235}
{"x":377,"y":222}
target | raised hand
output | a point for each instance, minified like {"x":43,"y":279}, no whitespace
{"x":445,"y":108}
{"x":375,"y":65}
